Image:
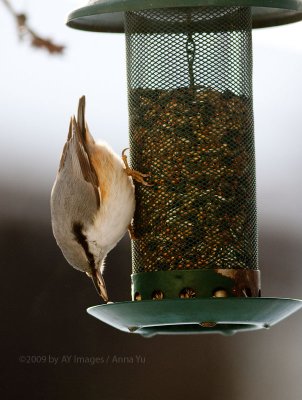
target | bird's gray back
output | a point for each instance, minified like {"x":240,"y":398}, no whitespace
{"x":73,"y":202}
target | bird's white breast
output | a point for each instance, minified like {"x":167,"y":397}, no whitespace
{"x":117,"y":201}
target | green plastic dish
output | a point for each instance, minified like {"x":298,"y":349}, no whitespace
{"x":195,"y":316}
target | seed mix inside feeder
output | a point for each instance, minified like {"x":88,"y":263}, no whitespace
{"x":189,"y":69}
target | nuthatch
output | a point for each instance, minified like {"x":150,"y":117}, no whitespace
{"x":92,"y":200}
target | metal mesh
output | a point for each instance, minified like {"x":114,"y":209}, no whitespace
{"x":191,"y":127}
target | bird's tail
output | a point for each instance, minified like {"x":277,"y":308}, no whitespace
{"x":81,"y":117}
{"x":81,"y":122}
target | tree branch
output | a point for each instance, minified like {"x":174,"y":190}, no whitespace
{"x":25,"y":30}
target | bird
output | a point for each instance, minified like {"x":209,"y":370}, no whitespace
{"x":92,"y":200}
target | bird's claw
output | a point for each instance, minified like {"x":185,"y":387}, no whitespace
{"x":131,"y":232}
{"x":136,"y":175}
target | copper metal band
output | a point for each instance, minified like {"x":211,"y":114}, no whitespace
{"x":196,"y":284}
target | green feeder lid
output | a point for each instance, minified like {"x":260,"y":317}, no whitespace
{"x":195,"y":316}
{"x":108,"y":15}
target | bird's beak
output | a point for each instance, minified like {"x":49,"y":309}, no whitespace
{"x":100,"y":286}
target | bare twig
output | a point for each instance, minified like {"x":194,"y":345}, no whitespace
{"x":24,"y":30}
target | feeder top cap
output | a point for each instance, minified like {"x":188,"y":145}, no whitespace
{"x":108,"y":15}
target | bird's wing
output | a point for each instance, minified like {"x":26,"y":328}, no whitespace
{"x":65,"y":149}
{"x":84,"y":140}
{"x":86,"y":166}
{"x":79,"y":140}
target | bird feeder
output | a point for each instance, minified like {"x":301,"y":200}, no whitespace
{"x":189,"y":68}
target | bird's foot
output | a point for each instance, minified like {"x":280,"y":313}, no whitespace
{"x":136,"y":175}
{"x":131,"y":232}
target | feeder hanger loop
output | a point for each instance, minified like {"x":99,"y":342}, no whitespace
{"x":190,"y":50}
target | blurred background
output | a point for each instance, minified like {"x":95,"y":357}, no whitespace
{"x":44,"y":301}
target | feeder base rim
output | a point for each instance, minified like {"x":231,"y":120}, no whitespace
{"x":226,"y":316}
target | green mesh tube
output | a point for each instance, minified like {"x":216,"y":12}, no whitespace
{"x":191,"y":127}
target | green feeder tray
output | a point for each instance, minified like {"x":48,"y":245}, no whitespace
{"x":189,"y":70}
{"x":195,"y":316}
